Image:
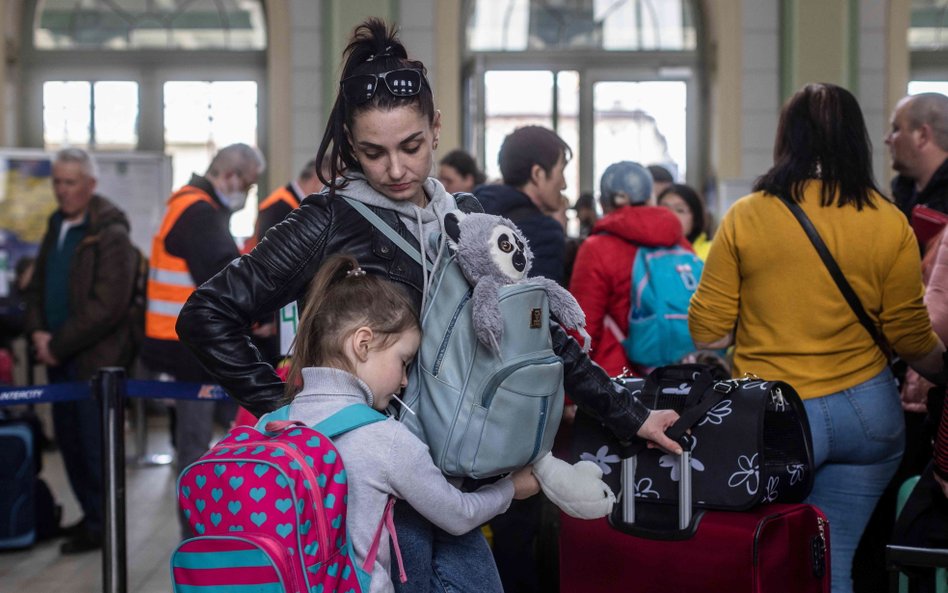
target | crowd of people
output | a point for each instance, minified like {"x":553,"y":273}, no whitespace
{"x":764,"y":296}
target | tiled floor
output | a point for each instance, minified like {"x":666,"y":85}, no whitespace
{"x":151,"y":527}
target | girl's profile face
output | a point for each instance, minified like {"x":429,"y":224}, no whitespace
{"x":679,"y":206}
{"x":396,"y":150}
{"x":385,"y":369}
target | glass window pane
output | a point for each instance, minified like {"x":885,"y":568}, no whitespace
{"x":640,"y":121}
{"x":567,"y":126}
{"x":927,"y":86}
{"x":513,"y":99}
{"x":116,"y":115}
{"x":518,"y":25}
{"x":66,"y":113}
{"x":147,"y":24}
{"x":202,"y":117}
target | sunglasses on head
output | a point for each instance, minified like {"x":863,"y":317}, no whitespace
{"x":403,"y":82}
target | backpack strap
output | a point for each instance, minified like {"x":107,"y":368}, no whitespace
{"x":348,"y":418}
{"x":388,"y":519}
{"x":387,"y":230}
{"x":278,"y":415}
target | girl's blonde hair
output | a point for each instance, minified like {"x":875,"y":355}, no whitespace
{"x":341,"y":299}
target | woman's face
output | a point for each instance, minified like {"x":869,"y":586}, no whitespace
{"x":453,"y":181}
{"x":395,"y":149}
{"x":679,"y":206}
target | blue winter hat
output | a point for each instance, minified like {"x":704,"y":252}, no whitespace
{"x":627,"y":178}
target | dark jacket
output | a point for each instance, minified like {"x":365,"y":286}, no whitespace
{"x":214,"y":321}
{"x":98,"y":330}
{"x":934,"y":194}
{"x":544,"y":234}
{"x":201,"y":237}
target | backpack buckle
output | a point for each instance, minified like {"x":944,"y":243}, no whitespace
{"x":722,"y":387}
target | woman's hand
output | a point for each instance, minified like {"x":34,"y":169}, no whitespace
{"x":943,"y":484}
{"x":654,"y":427}
{"x":915,"y":392}
{"x":525,"y":483}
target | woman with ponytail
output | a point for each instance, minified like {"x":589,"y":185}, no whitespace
{"x":378,"y":148}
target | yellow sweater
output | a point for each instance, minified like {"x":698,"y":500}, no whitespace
{"x":793,"y":324}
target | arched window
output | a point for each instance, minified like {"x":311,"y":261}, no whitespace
{"x":183,"y":77}
{"x":928,"y":47}
{"x":149,"y":24}
{"x":617,"y":79}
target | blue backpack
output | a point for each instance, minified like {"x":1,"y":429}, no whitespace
{"x":663,"y":280}
{"x":481,"y":413}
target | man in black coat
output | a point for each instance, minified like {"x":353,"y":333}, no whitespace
{"x":532,"y":159}
{"x":918,"y":143}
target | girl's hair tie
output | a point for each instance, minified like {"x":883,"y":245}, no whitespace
{"x":355,"y":273}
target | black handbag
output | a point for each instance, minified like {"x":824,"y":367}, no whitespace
{"x":750,"y":440}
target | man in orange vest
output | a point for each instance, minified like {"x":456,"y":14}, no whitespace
{"x":192,"y":244}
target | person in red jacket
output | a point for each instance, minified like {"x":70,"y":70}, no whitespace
{"x":602,"y":274}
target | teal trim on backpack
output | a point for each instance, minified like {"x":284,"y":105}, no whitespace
{"x":256,"y":588}
{"x":204,"y":560}
{"x":346,"y":419}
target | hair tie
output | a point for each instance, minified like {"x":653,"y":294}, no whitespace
{"x":355,"y":272}
{"x":387,"y":52}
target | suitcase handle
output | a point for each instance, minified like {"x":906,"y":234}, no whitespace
{"x":623,"y":517}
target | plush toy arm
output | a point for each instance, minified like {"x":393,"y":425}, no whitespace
{"x":564,"y":306}
{"x":488,"y":322}
{"x":576,"y":489}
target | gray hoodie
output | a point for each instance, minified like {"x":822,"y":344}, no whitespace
{"x":422,"y":222}
{"x":384,"y":459}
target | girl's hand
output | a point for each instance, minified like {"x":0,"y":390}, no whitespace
{"x":525,"y":484}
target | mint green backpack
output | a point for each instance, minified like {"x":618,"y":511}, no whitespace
{"x":482,"y":413}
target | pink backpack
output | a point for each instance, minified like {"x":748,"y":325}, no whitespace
{"x":269,"y":511}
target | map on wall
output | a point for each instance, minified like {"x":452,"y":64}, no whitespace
{"x":139,"y":183}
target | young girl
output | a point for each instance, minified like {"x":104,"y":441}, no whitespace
{"x":379,"y":145}
{"x":356,"y":337}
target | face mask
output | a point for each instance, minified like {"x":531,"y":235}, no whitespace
{"x":234,"y":201}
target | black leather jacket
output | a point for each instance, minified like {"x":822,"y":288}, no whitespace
{"x":216,"y":319}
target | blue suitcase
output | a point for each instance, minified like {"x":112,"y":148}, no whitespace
{"x":17,"y":479}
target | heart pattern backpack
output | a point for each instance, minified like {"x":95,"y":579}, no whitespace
{"x":268,"y":507}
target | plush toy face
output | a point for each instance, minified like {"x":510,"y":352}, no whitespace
{"x":507,"y":251}
{"x":488,"y":247}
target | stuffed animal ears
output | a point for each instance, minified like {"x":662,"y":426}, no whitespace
{"x":452,"y":226}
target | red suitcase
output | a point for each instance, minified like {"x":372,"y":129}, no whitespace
{"x":771,"y":548}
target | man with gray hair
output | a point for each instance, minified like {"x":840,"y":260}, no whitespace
{"x":918,"y":143}
{"x":192,"y":244}
{"x":79,"y":318}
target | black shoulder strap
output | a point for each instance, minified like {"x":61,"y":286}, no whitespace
{"x":844,"y":287}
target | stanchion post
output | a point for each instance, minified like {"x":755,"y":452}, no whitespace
{"x":109,"y":387}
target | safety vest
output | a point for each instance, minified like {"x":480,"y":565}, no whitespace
{"x":282,"y":194}
{"x":169,"y":280}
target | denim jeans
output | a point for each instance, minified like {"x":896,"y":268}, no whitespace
{"x":858,"y":440}
{"x":438,"y":562}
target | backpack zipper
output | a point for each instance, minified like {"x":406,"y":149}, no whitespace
{"x":443,"y":347}
{"x":487,"y":394}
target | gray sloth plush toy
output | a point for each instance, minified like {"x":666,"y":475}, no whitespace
{"x":492,"y":252}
